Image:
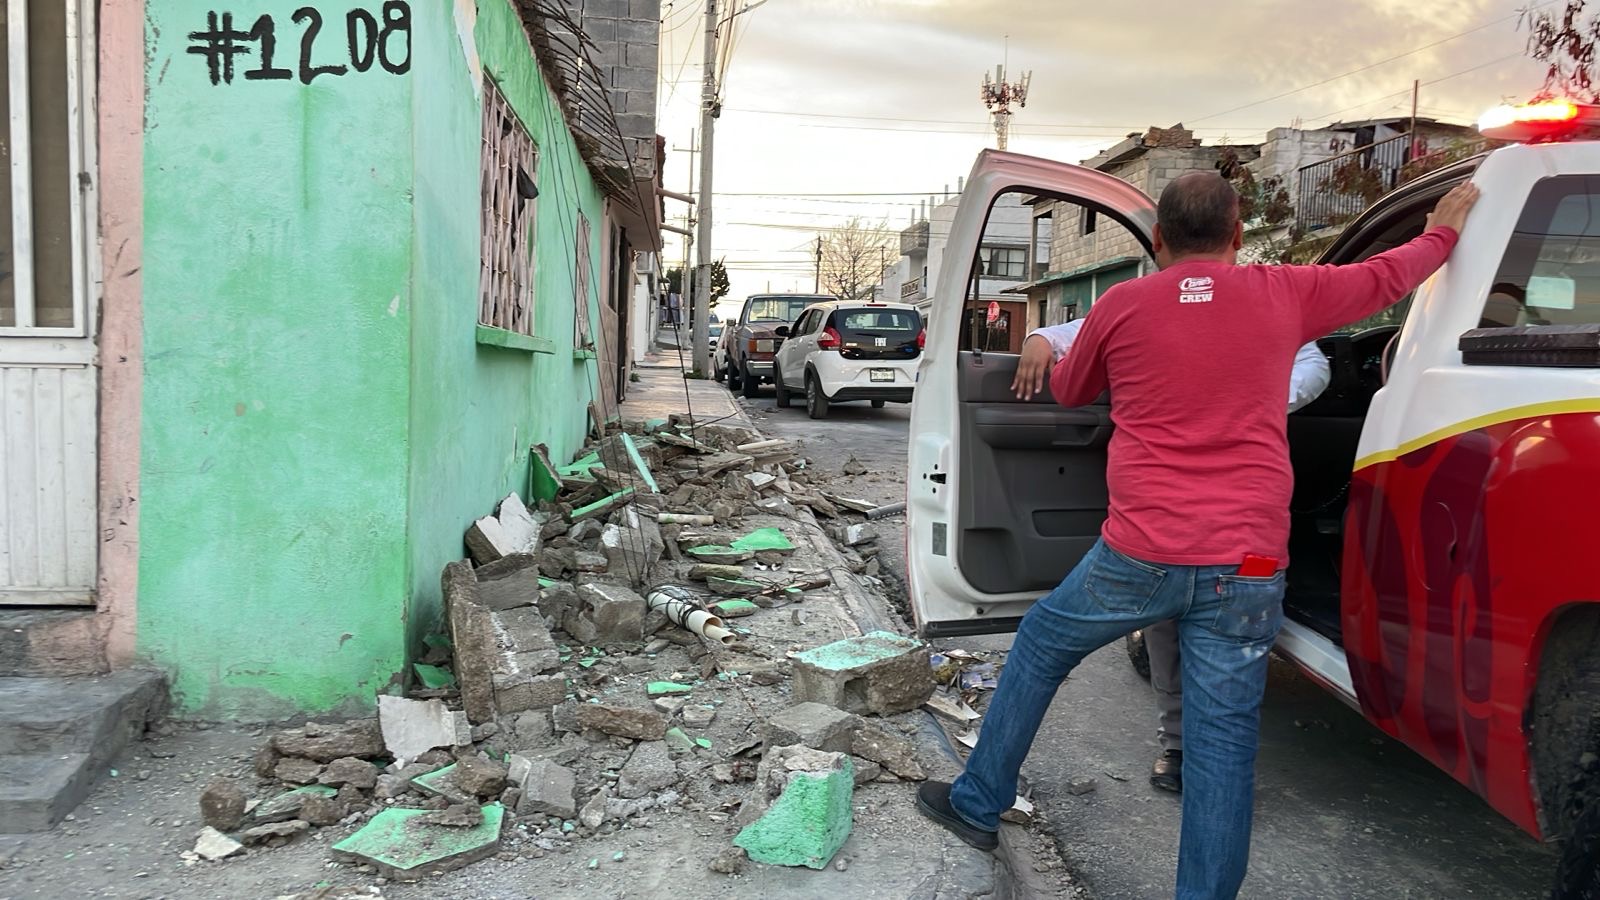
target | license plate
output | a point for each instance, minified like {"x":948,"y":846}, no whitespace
{"x":882,"y":374}
{"x":880,"y":342}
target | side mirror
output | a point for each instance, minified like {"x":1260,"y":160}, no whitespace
{"x":781,"y":331}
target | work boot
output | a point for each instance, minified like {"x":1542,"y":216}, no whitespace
{"x":933,"y":801}
{"x":1167,"y":773}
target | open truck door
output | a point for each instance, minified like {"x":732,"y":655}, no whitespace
{"x":1004,"y":496}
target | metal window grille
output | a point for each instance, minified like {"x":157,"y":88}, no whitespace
{"x":584,"y":337}
{"x":510,"y":179}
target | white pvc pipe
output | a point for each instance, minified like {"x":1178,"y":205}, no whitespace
{"x":685,"y":614}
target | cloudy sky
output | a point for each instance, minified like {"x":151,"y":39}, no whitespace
{"x":881,"y":97}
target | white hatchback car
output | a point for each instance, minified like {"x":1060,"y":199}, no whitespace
{"x":840,"y":351}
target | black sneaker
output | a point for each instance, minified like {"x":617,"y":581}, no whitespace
{"x":933,"y":800}
{"x":1167,"y":773}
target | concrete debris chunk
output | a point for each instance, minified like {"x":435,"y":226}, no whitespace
{"x":879,"y":673}
{"x":525,"y":642}
{"x":547,"y":787}
{"x":892,"y":751}
{"x":390,"y":787}
{"x":401,"y":848}
{"x":325,"y":743}
{"x":623,"y":721}
{"x":358,"y":773}
{"x":513,"y":529}
{"x":510,"y":583}
{"x":321,"y":810}
{"x":472,"y":635}
{"x":479,"y":777}
{"x":214,"y":845}
{"x":798,"y":813}
{"x":1081,"y":784}
{"x":648,"y":770}
{"x":275,"y":834}
{"x":608,"y":615}
{"x":222,"y":805}
{"x":456,"y":815}
{"x":287,"y":805}
{"x":413,"y":727}
{"x":593,"y":814}
{"x":814,"y":725}
{"x":857,"y":535}
{"x":297,"y":771}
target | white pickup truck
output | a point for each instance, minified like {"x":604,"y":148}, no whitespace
{"x":1446,"y":482}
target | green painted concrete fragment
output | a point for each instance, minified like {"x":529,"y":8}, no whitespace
{"x":806,"y":825}
{"x":600,"y":504}
{"x":703,"y":742}
{"x":677,"y":740}
{"x":287,"y":804}
{"x":666,"y":688}
{"x":639,"y":463}
{"x":432,"y":677}
{"x":579,"y":468}
{"x":437,"y":641}
{"x":859,"y":651}
{"x":544,"y":482}
{"x":546,"y":582}
{"x":440,"y":782}
{"x":716,"y":553}
{"x":763,"y":539}
{"x":732,"y":609}
{"x":405,"y":849}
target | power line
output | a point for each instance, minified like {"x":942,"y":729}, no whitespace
{"x":816,"y":115}
{"x":1500,"y":21}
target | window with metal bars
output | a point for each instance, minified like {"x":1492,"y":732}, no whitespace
{"x":510,"y":191}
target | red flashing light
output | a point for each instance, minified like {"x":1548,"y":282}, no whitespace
{"x":830,"y":339}
{"x":1536,"y":121}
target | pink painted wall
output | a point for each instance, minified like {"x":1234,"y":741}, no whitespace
{"x":121,"y":159}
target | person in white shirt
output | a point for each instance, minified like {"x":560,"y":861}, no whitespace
{"x":1042,"y":349}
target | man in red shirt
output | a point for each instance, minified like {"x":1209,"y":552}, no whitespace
{"x":1197,"y":360}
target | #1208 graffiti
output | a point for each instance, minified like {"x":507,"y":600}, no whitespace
{"x":369,"y":41}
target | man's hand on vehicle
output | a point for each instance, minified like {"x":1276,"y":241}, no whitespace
{"x":1033,"y":367}
{"x":1451,"y":212}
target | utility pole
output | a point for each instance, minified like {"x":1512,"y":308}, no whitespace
{"x":999,"y":94}
{"x":708,"y":118}
{"x":1416,"y":89}
{"x":817,"y":284}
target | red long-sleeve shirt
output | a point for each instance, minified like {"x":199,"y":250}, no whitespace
{"x":1197,"y":360}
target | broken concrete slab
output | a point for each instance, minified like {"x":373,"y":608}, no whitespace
{"x":648,"y":770}
{"x":512,"y":529}
{"x":297,"y":771}
{"x":456,"y":815}
{"x":523,"y":635}
{"x":322,"y":811}
{"x":479,"y":777}
{"x":619,"y":450}
{"x":401,"y":848}
{"x":509,"y":583}
{"x":287,"y":805}
{"x":222,"y":805}
{"x":213,"y":845}
{"x":622,"y":721}
{"x":520,"y":693}
{"x":894,"y":752}
{"x":360,"y":738}
{"x":413,"y":727}
{"x":879,"y":673}
{"x":706,"y":571}
{"x":734,"y":609}
{"x":275,"y":834}
{"x":814,"y":725}
{"x":472,"y":635}
{"x":609,"y":615}
{"x":602,"y":506}
{"x":547,"y":787}
{"x":358,"y":773}
{"x":798,"y":813}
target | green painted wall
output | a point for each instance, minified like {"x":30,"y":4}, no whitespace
{"x":320,"y":424}
{"x":475,"y":409}
{"x":277,"y":260}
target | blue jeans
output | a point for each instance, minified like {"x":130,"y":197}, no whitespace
{"x":1226,"y":625}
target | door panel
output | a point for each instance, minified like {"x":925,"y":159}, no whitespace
{"x":1003,"y":496}
{"x":1033,"y":485}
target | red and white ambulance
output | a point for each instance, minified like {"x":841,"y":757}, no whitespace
{"x":1446,"y":540}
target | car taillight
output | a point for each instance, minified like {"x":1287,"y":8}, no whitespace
{"x":922,"y":339}
{"x":830,"y":339}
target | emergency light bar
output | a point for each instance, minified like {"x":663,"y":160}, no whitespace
{"x":1531,"y":122}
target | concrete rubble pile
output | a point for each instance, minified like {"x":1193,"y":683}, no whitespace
{"x":567,"y":699}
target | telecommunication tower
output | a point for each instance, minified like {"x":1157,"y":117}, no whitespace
{"x":999,"y":95}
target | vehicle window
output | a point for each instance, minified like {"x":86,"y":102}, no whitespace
{"x":803,"y":327}
{"x":878,"y":320}
{"x":776,"y":309}
{"x":1550,"y":274}
{"x":1393,"y":234}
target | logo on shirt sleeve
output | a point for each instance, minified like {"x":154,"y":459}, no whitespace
{"x":1195,"y":290}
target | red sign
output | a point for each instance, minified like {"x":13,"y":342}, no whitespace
{"x":994,"y":311}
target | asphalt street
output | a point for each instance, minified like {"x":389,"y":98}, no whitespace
{"x":1341,"y":809}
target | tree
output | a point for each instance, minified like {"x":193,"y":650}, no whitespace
{"x":719,"y":282}
{"x":1566,"y":43}
{"x":854,"y":255}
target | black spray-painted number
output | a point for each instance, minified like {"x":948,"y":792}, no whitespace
{"x":368,"y":40}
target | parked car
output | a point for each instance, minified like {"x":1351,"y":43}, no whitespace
{"x":839,"y":351}
{"x":754,"y":340}
{"x":1443,"y":581}
{"x":719,"y":353}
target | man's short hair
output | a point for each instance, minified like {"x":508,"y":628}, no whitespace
{"x":1198,"y":213}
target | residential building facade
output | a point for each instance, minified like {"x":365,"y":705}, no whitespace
{"x":309,"y":287}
